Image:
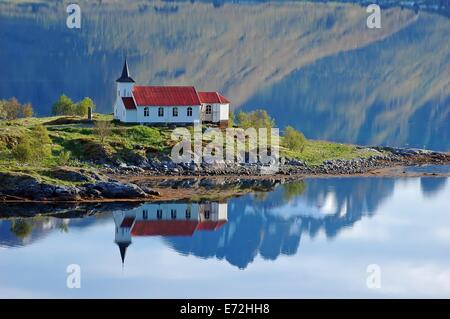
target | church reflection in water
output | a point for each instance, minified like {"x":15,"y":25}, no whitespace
{"x":167,"y":219}
{"x":263,"y":225}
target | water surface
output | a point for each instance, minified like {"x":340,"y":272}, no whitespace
{"x":307,"y":239}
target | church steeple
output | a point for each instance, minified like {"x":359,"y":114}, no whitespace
{"x":125,"y":77}
{"x":123,"y":250}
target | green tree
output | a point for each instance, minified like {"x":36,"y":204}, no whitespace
{"x":293,"y":139}
{"x":256,"y":119}
{"x":27,"y":110}
{"x":82,"y":107}
{"x":64,"y":106}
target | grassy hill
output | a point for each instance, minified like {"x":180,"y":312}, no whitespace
{"x":126,"y":143}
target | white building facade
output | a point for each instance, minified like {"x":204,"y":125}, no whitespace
{"x":167,"y":104}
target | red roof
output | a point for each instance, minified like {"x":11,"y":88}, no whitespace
{"x":212,"y":97}
{"x":128,"y":102}
{"x":165,"y":95}
{"x":173,"y":227}
{"x":127,"y":222}
{"x":164,"y":228}
{"x":210,"y":225}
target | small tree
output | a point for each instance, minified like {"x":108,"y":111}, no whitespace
{"x":293,"y":139}
{"x":27,"y":110}
{"x":256,"y":119}
{"x":82,"y":107}
{"x":64,"y":106}
{"x":12,"y":108}
{"x":103,"y":129}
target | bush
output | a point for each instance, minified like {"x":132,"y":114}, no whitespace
{"x":293,"y":139}
{"x":23,"y":152}
{"x":82,"y":107}
{"x":64,"y":106}
{"x":27,"y":110}
{"x":64,"y":157}
{"x":40,"y":143}
{"x":34,"y":147}
{"x":103,"y":129}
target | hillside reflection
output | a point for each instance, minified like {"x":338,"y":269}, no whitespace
{"x":260,"y":224}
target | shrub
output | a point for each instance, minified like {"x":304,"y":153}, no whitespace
{"x":293,"y":139}
{"x":103,"y":129}
{"x":64,"y":106}
{"x":40,"y":143}
{"x":34,"y":147}
{"x":23,"y":152}
{"x":82,"y":107}
{"x":64,"y":157}
{"x":27,"y":110}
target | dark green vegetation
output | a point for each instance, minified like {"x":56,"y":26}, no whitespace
{"x":65,"y":106}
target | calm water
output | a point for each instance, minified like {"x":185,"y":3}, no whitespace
{"x":313,"y":66}
{"x":308,"y":239}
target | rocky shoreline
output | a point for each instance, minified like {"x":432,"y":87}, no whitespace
{"x":140,"y":183}
{"x":388,"y":157}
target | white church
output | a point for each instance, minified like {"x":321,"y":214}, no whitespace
{"x":167,"y":219}
{"x":182,"y":105}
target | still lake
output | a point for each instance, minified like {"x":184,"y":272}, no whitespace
{"x":314,"y":238}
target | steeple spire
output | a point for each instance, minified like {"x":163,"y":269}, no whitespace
{"x":125,"y":77}
{"x":123,"y":249}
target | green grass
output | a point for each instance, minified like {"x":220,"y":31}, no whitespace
{"x":127,"y":142}
{"x":315,"y":152}
{"x":75,"y":135}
